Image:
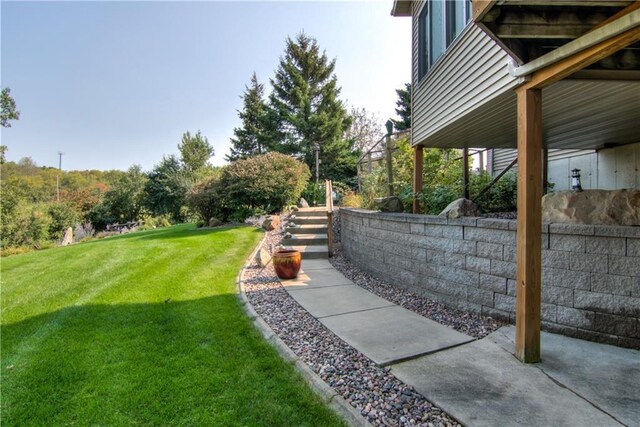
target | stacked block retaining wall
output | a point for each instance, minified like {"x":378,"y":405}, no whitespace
{"x":590,"y":276}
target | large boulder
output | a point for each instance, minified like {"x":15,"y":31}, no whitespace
{"x":599,"y":207}
{"x":459,"y":208}
{"x":262,"y":257}
{"x":271,"y":222}
{"x":67,"y":239}
{"x":215,"y":222}
{"x":388,"y":204}
{"x":303,"y":203}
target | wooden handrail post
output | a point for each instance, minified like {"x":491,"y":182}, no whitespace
{"x":329,"y":204}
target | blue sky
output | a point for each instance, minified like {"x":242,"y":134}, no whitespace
{"x":117,"y":83}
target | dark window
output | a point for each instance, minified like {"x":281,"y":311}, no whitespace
{"x":439,"y":23}
{"x":436,"y":30}
{"x":423,"y":41}
{"x":458,"y":16}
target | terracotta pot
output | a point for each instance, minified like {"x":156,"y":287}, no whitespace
{"x":287,"y":263}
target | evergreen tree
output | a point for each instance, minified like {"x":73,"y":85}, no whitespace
{"x":195,"y":152}
{"x":256,"y":134}
{"x":307,"y":111}
{"x":403,"y":109}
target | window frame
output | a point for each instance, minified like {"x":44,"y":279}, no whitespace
{"x":426,"y":61}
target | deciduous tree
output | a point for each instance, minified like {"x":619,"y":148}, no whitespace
{"x":195,"y":152}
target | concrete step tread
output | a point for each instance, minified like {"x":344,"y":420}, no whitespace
{"x":309,"y":236}
{"x":311,"y":248}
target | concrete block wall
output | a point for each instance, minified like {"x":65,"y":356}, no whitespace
{"x":590,"y":277}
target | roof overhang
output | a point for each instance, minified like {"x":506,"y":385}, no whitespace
{"x":401,"y":8}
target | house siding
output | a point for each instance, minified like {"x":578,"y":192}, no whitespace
{"x":472,"y":72}
{"x":607,"y":169}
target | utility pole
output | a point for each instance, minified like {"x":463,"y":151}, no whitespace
{"x":60,"y":154}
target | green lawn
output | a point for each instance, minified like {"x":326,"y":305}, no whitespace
{"x":143,"y":328}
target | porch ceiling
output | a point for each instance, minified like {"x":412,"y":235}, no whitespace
{"x":529,"y":29}
{"x":577,"y":114}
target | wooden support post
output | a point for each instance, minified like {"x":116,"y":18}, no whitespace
{"x":418,"y":166}
{"x":529,"y":234}
{"x":465,"y":173}
{"x":545,"y":169}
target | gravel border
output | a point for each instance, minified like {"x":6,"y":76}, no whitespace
{"x":374,"y":392}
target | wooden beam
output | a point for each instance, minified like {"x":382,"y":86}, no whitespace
{"x":529,"y":225}
{"x":635,"y":5}
{"x":481,"y":7}
{"x":565,"y":67}
{"x":418,"y":167}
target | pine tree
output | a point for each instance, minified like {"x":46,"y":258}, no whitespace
{"x":403,"y":109}
{"x":255,"y":135}
{"x":307,"y":110}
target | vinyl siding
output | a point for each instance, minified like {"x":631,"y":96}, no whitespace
{"x":472,"y":72}
{"x":607,"y":169}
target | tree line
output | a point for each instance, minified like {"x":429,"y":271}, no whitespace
{"x":302,"y":114}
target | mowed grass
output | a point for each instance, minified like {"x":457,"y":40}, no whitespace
{"x":142,"y":329}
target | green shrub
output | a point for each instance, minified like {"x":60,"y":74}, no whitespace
{"x":207,"y":199}
{"x":314,"y":194}
{"x":502,"y":197}
{"x":262,"y":183}
{"x":63,"y":216}
{"x":28,"y":225}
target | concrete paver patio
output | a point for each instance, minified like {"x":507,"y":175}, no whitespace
{"x":479,"y":382}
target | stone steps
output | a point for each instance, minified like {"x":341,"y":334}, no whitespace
{"x":308,"y":229}
{"x":309,"y":220}
{"x":312,"y":251}
{"x":307,"y":239}
{"x":321,"y":211}
{"x":310,"y":234}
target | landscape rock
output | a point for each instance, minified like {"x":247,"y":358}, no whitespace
{"x":67,"y":239}
{"x":287,"y":236}
{"x":303,"y":203}
{"x":262,"y":257}
{"x":596,"y":207}
{"x":388,"y":204}
{"x":271,"y":222}
{"x":459,"y":208}
{"x":214,"y":222}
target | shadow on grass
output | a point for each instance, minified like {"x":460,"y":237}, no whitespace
{"x":195,"y":362}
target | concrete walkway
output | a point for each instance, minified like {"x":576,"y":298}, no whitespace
{"x":479,"y":382}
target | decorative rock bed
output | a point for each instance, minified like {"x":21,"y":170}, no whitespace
{"x":374,"y":391}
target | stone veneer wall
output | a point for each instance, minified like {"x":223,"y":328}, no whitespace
{"x":590,"y":277}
